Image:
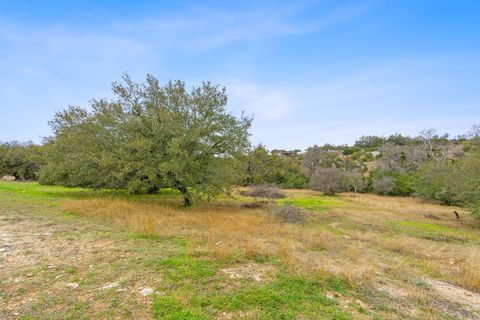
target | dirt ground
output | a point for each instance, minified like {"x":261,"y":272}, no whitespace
{"x":67,"y":268}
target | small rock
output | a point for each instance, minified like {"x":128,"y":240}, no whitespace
{"x":145,"y":291}
{"x":109,"y":286}
{"x":9,"y":178}
{"x":361,"y":304}
{"x":17,"y":280}
{"x":72,"y":285}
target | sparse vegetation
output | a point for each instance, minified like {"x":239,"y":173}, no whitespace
{"x":265,"y":191}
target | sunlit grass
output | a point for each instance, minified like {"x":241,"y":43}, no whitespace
{"x":316,"y":203}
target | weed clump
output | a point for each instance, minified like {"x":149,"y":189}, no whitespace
{"x":287,"y":213}
{"x":265,"y":191}
{"x":255,"y":204}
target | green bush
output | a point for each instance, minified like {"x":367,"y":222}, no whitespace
{"x":403,"y":184}
{"x":436,"y":181}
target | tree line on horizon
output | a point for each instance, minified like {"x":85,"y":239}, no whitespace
{"x":152,"y":137}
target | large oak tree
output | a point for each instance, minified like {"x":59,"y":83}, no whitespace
{"x":150,"y":137}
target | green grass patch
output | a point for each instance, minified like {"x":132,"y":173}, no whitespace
{"x":312,"y":203}
{"x":177,"y":241}
{"x":53,"y":194}
{"x":337,"y":284}
{"x":34,"y":189}
{"x":435,"y":232}
{"x":184,"y":269}
{"x":288,"y":297}
{"x":170,"y":308}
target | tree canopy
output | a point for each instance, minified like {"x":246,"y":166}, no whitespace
{"x":21,"y":160}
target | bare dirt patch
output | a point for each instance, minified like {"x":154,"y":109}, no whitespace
{"x":256,"y":272}
{"x":452,"y":293}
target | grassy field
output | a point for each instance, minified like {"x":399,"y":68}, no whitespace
{"x":79,"y":254}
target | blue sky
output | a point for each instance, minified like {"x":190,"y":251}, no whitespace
{"x":311,"y":72}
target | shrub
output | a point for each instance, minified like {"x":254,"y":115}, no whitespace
{"x":439,"y":181}
{"x":350,"y":150}
{"x":329,"y":181}
{"x":355,"y":181}
{"x":287,"y":213}
{"x":403,"y":184}
{"x":384,"y":185}
{"x":266,"y":191}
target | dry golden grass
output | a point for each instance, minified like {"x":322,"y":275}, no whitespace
{"x":362,"y":239}
{"x":453,"y":261}
{"x":227,"y":232}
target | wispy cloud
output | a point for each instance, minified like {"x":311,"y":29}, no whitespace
{"x":58,"y":47}
{"x":204,"y":29}
{"x":53,"y":45}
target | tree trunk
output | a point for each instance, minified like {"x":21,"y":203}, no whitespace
{"x":187,"y":198}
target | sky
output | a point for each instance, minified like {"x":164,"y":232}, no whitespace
{"x":310,"y":72}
